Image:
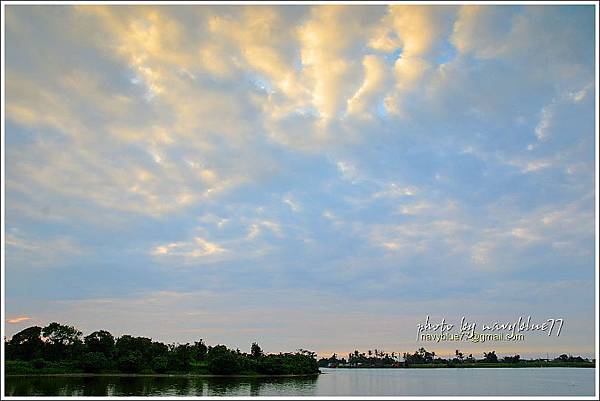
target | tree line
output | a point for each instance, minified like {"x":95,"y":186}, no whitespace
{"x":63,"y":346}
{"x":378,"y":358}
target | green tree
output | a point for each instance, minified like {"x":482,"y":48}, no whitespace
{"x":27,"y":344}
{"x":180,"y":357}
{"x":200,"y":350}
{"x":225,"y":363}
{"x":131,"y":362}
{"x":160,"y":364}
{"x":143,"y":345}
{"x":256,"y":351}
{"x":62,"y":341}
{"x":93,"y":362}
{"x":490,"y":356}
{"x":272,"y":365}
{"x":512,"y":359}
{"x":100,"y":341}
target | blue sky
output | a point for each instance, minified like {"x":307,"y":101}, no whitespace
{"x":320,"y":177}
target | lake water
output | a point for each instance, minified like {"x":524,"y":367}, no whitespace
{"x":333,"y":382}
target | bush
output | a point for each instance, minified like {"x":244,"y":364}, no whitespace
{"x":271,"y":365}
{"x":224,"y":364}
{"x":180,"y":358}
{"x":93,"y":362}
{"x":248,"y":364}
{"x":39,"y":363}
{"x":160,"y":364}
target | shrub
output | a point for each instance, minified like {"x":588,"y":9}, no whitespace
{"x":159,"y":364}
{"x":224,"y":364}
{"x":271,"y":365}
{"x":39,"y":363}
{"x":180,"y":358}
{"x":131,"y":362}
{"x":93,"y":362}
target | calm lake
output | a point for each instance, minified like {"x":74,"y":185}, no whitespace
{"x":333,"y":382}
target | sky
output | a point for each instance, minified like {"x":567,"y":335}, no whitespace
{"x":319,"y":177}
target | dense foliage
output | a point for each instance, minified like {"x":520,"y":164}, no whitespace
{"x":60,"y":348}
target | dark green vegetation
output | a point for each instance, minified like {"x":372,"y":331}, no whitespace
{"x":58,"y":348}
{"x":425,"y":359}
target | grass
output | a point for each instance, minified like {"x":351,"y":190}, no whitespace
{"x":28,"y":367}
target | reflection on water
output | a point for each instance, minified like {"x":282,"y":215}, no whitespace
{"x":156,"y":386}
{"x":334,"y":382}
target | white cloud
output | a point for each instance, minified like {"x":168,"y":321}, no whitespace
{"x":293,"y":204}
{"x":23,"y":249}
{"x":376,"y":78}
{"x":546,"y":115}
{"x":197,"y":248}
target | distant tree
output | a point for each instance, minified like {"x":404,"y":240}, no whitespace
{"x":38,"y":363}
{"x":256,"y":351}
{"x":308,"y":353}
{"x":200,"y":350}
{"x":216,"y":350}
{"x":144,"y":346}
{"x":131,"y":362}
{"x":420,"y":356}
{"x":426,"y":356}
{"x":273,"y":365}
{"x":93,"y":362}
{"x":511,"y":359}
{"x":160,"y":364}
{"x":570,"y":358}
{"x":180,"y":357}
{"x":26,"y":344}
{"x":62,"y":341}
{"x":100,"y":341}
{"x":490,"y":356}
{"x":224,"y":363}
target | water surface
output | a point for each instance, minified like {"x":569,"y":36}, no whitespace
{"x":333,"y":382}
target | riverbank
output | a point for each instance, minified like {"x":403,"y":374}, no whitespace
{"x":22,"y":368}
{"x":159,"y":375}
{"x":72,"y":369}
{"x":521,"y":364}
